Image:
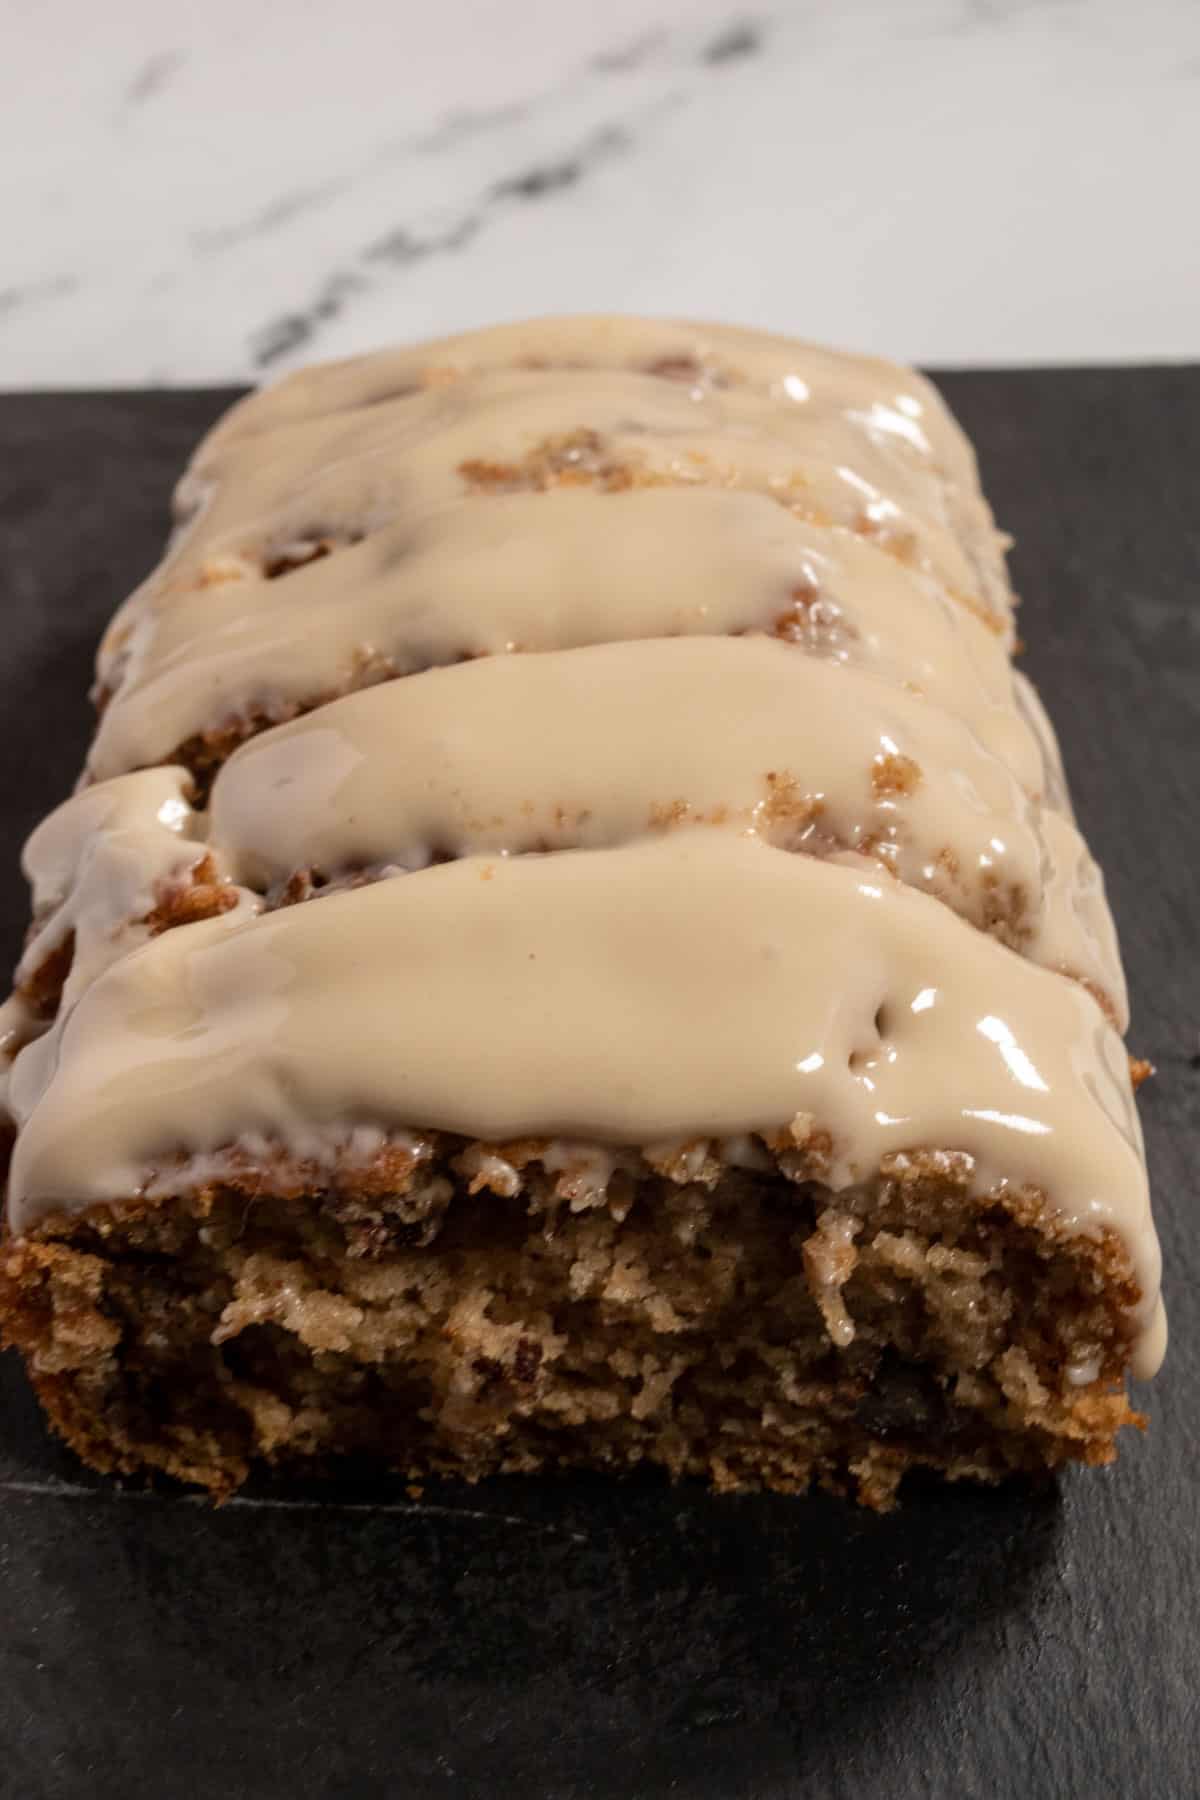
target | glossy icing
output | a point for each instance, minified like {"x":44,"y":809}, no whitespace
{"x":707,"y":698}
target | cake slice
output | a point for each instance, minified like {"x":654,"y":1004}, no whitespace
{"x":571,"y":948}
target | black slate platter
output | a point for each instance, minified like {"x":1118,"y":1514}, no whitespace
{"x":575,"y":1638}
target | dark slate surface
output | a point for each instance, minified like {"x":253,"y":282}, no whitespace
{"x":563,"y":1640}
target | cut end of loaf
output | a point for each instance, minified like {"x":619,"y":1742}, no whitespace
{"x":465,"y":1309}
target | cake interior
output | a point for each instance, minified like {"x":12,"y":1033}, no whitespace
{"x":469,"y":1312}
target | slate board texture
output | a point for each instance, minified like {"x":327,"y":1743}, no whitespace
{"x":581,"y":1640}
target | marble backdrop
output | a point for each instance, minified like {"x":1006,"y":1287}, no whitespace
{"x":213,"y":193}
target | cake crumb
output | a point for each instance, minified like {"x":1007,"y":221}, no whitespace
{"x":893,"y":774}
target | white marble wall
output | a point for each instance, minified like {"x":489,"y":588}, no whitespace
{"x":209,"y":193}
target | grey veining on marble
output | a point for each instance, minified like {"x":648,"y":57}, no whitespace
{"x":218,"y":193}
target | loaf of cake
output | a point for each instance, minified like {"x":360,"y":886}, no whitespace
{"x":571,"y":947}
